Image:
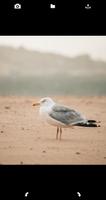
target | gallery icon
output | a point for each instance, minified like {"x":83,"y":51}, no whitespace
{"x":52,"y":6}
{"x":87,"y":6}
{"x":17,"y":6}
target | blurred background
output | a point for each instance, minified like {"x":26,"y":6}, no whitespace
{"x":52,"y":65}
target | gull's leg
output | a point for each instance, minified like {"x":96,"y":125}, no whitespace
{"x":57,"y":133}
{"x":60,"y":132}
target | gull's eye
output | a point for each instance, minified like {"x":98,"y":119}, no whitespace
{"x":44,"y":100}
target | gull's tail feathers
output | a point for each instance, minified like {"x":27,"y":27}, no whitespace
{"x":89,"y":123}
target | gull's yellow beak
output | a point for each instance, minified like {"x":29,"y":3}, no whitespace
{"x":36,"y":104}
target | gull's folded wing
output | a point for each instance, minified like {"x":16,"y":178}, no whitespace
{"x":66,"y":115}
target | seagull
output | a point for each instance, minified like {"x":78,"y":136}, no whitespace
{"x":62,"y":116}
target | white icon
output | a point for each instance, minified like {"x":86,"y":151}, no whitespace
{"x":52,"y":6}
{"x":88,"y":6}
{"x":79,"y":194}
{"x":26,"y":194}
{"x":17,"y":6}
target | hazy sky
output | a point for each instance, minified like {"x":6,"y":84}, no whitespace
{"x":66,"y":45}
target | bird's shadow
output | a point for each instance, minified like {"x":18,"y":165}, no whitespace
{"x":58,"y":140}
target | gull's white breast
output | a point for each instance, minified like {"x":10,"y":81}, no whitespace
{"x":44,"y":114}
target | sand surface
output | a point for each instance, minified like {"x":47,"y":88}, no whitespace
{"x":25,"y":139}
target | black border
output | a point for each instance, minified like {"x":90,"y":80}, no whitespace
{"x":69,"y":18}
{"x":57,"y":180}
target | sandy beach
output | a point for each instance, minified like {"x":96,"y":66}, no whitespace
{"x":25,"y":139}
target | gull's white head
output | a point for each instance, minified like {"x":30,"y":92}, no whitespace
{"x":46,"y":101}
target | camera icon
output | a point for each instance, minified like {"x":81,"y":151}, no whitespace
{"x":17,"y":6}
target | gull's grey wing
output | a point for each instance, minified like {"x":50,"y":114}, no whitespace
{"x":66,"y":115}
